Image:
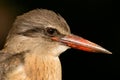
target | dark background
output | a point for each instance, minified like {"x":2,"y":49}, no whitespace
{"x":91,"y":19}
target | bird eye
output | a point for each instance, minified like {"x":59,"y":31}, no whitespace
{"x":51,"y":31}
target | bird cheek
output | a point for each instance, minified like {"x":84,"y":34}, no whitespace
{"x":59,"y":49}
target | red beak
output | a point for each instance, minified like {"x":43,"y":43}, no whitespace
{"x":81,"y":44}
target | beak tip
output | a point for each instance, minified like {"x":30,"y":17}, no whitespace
{"x":106,"y":51}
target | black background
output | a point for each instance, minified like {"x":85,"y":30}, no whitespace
{"x":91,"y":19}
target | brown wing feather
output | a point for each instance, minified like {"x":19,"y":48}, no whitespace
{"x":8,"y":62}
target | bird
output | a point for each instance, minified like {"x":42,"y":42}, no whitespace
{"x":34,"y":43}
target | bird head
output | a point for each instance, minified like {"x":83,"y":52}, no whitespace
{"x":47,"y":33}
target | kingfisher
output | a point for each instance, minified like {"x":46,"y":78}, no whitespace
{"x":34,"y":43}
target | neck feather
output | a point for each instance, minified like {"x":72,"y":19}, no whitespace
{"x":42,"y":67}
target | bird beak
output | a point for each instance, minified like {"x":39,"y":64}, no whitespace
{"x":80,"y":43}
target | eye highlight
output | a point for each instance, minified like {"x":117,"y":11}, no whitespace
{"x":51,"y":31}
